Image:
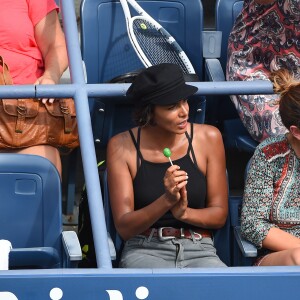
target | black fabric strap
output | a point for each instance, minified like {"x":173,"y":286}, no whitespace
{"x":190,"y":148}
{"x":137,"y":146}
{"x":140,"y":156}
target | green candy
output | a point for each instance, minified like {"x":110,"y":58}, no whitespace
{"x":167,"y":152}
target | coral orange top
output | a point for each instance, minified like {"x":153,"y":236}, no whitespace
{"x":18,"y":46}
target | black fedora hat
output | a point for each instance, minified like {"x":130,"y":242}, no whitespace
{"x":161,"y":84}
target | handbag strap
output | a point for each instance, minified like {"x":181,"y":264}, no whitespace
{"x":5,"y":78}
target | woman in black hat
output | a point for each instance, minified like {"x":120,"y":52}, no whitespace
{"x":165,"y":212}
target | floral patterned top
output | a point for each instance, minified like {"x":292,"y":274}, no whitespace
{"x":272,"y":192}
{"x":264,"y":38}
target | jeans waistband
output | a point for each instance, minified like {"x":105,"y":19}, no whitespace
{"x":168,"y":233}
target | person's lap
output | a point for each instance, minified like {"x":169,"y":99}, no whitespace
{"x":142,"y":252}
{"x":49,"y":152}
{"x":290,"y":257}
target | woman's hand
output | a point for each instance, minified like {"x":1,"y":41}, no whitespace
{"x":51,"y":42}
{"x":174,"y":180}
{"x":45,"y":80}
{"x":179,"y":210}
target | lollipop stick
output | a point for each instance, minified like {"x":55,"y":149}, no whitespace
{"x":170,"y":161}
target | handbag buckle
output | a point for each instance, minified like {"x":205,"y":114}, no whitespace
{"x":21,"y":109}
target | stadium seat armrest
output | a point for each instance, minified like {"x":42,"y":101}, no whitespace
{"x":71,"y":245}
{"x":246,"y":143}
{"x":212,"y":43}
{"x":213,"y":69}
{"x":247,"y":248}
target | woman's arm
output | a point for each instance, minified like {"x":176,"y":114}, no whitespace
{"x":215,"y":213}
{"x":128,"y":221}
{"x":278,"y":240}
{"x":257,"y":200}
{"x":51,"y":42}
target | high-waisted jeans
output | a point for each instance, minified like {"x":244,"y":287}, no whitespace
{"x":150,"y":252}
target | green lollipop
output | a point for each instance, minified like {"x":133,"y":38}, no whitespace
{"x":167,"y":153}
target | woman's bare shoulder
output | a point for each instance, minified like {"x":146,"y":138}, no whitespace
{"x":207,"y":132}
{"x":119,"y":138}
{"x":120,"y":143}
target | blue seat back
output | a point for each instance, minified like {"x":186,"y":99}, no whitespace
{"x":30,"y":206}
{"x":107,"y":53}
{"x":117,"y":240}
{"x":235,"y":210}
{"x":222,"y":242}
{"x":235,"y":134}
{"x":106,"y":49}
{"x":226,"y":13}
{"x":220,"y":108}
{"x":222,"y":238}
{"x":114,"y":115}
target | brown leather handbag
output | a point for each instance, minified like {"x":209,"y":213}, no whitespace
{"x":29,"y":122}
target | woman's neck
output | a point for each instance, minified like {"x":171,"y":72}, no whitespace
{"x":295,"y":144}
{"x":159,"y":138}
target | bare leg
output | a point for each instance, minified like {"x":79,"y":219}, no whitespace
{"x":289,"y":257}
{"x":49,"y":152}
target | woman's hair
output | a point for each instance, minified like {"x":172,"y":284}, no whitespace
{"x":288,"y":87}
{"x":143,"y":116}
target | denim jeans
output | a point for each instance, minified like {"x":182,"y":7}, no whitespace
{"x":150,"y":252}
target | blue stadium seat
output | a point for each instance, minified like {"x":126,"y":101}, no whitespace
{"x":226,"y":13}
{"x":112,"y":115}
{"x":31,"y":215}
{"x":220,"y":110}
{"x":116,"y":241}
{"x":107,"y":53}
{"x":243,"y":251}
{"x":222,"y":242}
{"x":106,"y":49}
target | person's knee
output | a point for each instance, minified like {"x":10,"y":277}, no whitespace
{"x":46,"y":151}
{"x":295,"y":256}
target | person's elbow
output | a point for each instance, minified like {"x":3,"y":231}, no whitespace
{"x":124,"y":234}
{"x":220,"y":222}
{"x":220,"y":217}
{"x":223,"y":214}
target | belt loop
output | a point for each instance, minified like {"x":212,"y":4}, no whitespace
{"x":182,"y":233}
{"x":193,"y":236}
{"x":151,"y":235}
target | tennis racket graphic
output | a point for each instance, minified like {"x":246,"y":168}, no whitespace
{"x":152,"y":43}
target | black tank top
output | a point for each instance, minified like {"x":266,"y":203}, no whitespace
{"x":148,"y":182}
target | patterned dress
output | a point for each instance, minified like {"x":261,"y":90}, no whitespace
{"x":264,"y":38}
{"x":272,"y":192}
